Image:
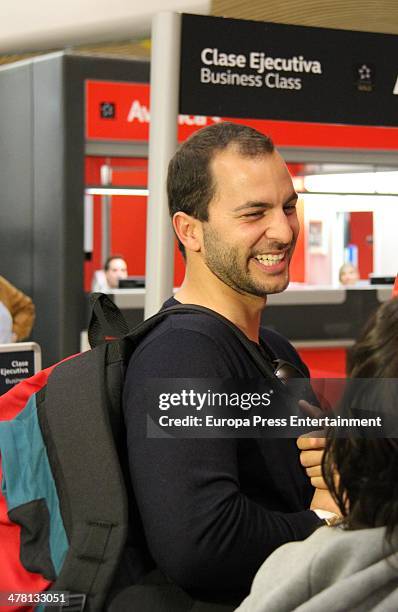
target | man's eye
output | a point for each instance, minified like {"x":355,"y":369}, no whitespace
{"x":289,"y":209}
{"x":258,"y":213}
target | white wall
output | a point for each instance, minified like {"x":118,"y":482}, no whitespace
{"x":41,"y":24}
{"x":385,"y":247}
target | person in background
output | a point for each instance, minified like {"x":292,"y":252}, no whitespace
{"x":17,"y":313}
{"x":348,"y":274}
{"x":352,"y":565}
{"x":115,"y":268}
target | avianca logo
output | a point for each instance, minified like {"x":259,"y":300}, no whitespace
{"x":139,"y":112}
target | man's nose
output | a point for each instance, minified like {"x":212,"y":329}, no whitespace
{"x":277,"y":227}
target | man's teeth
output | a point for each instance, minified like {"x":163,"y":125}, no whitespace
{"x":270,"y":260}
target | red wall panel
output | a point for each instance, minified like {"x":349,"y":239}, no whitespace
{"x":361,"y":234}
{"x":297,"y":265}
{"x":325,"y":362}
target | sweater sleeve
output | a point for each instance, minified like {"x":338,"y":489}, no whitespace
{"x":202,"y":531}
{"x":21,"y":308}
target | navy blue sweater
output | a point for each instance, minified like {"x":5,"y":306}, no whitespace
{"x":212,"y":509}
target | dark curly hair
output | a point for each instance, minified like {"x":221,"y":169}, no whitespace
{"x":190,"y":183}
{"x":366,"y":488}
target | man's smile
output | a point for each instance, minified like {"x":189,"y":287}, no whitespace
{"x":269,"y":258}
{"x":274,"y":262}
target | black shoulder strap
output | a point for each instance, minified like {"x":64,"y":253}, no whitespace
{"x":141,"y":330}
{"x":106,"y":321}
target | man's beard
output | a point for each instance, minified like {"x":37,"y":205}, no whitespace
{"x":226,"y":263}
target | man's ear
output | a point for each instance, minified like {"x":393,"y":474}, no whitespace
{"x":189,"y":231}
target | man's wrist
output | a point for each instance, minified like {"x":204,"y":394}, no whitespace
{"x":330,"y":518}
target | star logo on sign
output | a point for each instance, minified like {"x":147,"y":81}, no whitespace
{"x":364,"y":72}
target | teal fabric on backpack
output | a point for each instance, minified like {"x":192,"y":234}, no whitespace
{"x":27,"y":475}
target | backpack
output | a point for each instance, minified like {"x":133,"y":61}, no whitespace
{"x":63,"y":477}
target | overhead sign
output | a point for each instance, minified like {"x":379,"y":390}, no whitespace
{"x":262,"y":70}
{"x":119,"y":111}
{"x":18,"y":361}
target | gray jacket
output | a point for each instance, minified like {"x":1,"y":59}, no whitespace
{"x":331,"y":571}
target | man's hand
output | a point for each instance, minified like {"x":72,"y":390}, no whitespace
{"x":311,"y":458}
{"x":312,"y":450}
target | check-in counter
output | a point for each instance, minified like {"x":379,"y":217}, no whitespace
{"x":308,"y":312}
{"x":322,"y":322}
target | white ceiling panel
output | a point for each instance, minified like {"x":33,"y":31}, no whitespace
{"x":27,"y":25}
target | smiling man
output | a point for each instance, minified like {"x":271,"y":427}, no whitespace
{"x":213,"y":509}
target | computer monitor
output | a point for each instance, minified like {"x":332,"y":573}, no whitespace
{"x":132,"y":282}
{"x":381,"y":280}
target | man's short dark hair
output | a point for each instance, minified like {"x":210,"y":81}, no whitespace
{"x":110,"y":259}
{"x":190,"y":184}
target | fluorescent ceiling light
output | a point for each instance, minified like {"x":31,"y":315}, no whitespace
{"x":113,"y":191}
{"x":357,"y":182}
